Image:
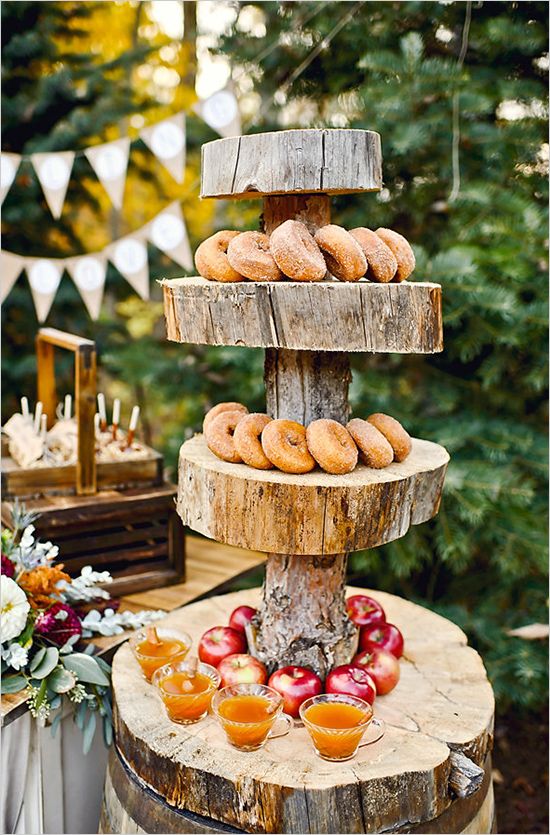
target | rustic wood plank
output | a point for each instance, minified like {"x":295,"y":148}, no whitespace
{"x":315,"y":513}
{"x":329,"y":161}
{"x":324,"y":316}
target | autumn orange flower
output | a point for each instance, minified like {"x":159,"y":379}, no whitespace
{"x":40,"y":584}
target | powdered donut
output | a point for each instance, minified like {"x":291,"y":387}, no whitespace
{"x":374,"y":450}
{"x":284,"y":443}
{"x":332,"y":446}
{"x":218,"y":409}
{"x":249,"y":255}
{"x":381,"y":260}
{"x":219,"y":436}
{"x":402,"y":250}
{"x":343,"y":255}
{"x":211,"y":258}
{"x":247,"y":440}
{"x":391,"y":429}
{"x":296,"y":253}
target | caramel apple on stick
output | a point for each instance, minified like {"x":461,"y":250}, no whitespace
{"x":25,"y":408}
{"x":37,"y":417}
{"x":116,"y":417}
{"x":133,"y":426}
{"x":102,"y":412}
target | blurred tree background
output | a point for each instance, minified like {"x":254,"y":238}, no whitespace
{"x":458,"y":92}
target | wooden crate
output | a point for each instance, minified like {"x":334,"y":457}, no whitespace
{"x":135,"y":534}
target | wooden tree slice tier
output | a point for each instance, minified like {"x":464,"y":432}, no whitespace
{"x":292,"y":162}
{"x":316,"y":513}
{"x":321,"y":316}
{"x":442,"y":707}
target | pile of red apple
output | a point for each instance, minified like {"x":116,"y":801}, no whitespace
{"x":373,"y":671}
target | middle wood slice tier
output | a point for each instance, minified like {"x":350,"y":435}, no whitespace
{"x":311,"y":514}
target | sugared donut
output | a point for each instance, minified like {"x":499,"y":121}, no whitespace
{"x":218,"y":409}
{"x":249,"y":255}
{"x":296,"y":253}
{"x":284,"y":443}
{"x":211,"y":257}
{"x":381,"y":260}
{"x":374,"y":450}
{"x":219,"y":436}
{"x":402,"y":250}
{"x":332,"y":446}
{"x":343,"y":255}
{"x":247,"y":440}
{"x":391,"y":429}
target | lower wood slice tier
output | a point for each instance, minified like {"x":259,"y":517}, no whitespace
{"x":439,"y":719}
{"x":315,"y":513}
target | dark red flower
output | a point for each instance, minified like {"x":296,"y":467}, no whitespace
{"x":58,"y":624}
{"x":8,"y":567}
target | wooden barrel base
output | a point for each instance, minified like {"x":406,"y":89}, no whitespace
{"x":315,"y":513}
{"x":442,"y":705}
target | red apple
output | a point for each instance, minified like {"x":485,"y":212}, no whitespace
{"x":382,"y":635}
{"x":363,"y":610}
{"x":219,"y":642}
{"x":295,"y":684}
{"x":382,"y":667}
{"x":240,"y":617}
{"x":241,"y":669}
{"x":352,"y":681}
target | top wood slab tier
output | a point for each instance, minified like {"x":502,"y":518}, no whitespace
{"x":292,"y":162}
{"x":401,"y":318}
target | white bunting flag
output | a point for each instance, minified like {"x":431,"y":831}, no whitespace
{"x":221,"y":112}
{"x":9,"y":163}
{"x":168,"y":233}
{"x":88,"y":273}
{"x":11,"y":267}
{"x":44,"y":276}
{"x":54,"y":173}
{"x":166,"y":140}
{"x":129,"y":255}
{"x":110,"y":162}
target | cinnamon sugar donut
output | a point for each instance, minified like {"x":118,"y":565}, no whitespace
{"x":391,"y":429}
{"x":249,"y":255}
{"x":219,"y":436}
{"x":332,"y":446}
{"x":381,"y":260}
{"x":211,"y":257}
{"x":218,"y":409}
{"x":247,"y":440}
{"x":284,"y":443}
{"x":343,"y":255}
{"x":402,"y":250}
{"x":374,"y":450}
{"x":296,"y":253}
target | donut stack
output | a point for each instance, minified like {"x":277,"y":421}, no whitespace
{"x":235,"y":435}
{"x":292,"y":252}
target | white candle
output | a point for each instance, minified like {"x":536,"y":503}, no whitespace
{"x":37,"y":416}
{"x":96,"y":422}
{"x":43,"y":426}
{"x":101,"y":408}
{"x":134,"y":419}
{"x":68,"y":403}
{"x":25,"y":408}
{"x":116,"y":411}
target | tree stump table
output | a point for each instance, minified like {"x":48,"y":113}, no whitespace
{"x":431,"y":771}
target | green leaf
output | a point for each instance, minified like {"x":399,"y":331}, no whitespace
{"x":48,"y":663}
{"x":80,"y":715}
{"x":37,"y":659}
{"x":86,"y":668}
{"x":55,"y":722}
{"x":107,"y":731}
{"x":61,"y":680}
{"x":13,"y":684}
{"x":88,"y":734}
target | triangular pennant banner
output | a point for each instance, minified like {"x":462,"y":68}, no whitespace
{"x":169,"y":234}
{"x":11,"y":267}
{"x":54,"y":173}
{"x":44,"y":276}
{"x":166,"y":140}
{"x":221,"y":112}
{"x":9,"y":163}
{"x":88,"y":273}
{"x":129,"y":255}
{"x":110,"y":162}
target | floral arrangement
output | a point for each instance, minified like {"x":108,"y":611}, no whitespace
{"x":44,"y":615}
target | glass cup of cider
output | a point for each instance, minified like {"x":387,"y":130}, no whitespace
{"x":248,"y":714}
{"x":337,"y":725}
{"x":186,"y":689}
{"x":156,"y":646}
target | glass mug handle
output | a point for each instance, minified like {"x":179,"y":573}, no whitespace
{"x":289,"y":722}
{"x":379,"y":727}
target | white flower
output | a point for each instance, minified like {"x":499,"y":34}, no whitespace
{"x":14,"y":608}
{"x":15,"y":656}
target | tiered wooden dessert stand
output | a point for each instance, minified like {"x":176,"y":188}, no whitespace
{"x":431,"y":771}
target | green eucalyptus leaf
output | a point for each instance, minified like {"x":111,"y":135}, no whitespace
{"x":47,"y":664}
{"x":80,"y":715}
{"x":86,"y":668}
{"x":107,"y":731}
{"x":37,"y":660}
{"x":61,"y":680}
{"x":88,"y":734}
{"x":13,"y":684}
